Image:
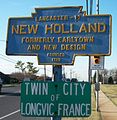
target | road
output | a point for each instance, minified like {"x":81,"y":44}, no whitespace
{"x":10,"y":105}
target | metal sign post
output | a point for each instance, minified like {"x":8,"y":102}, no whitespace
{"x":44,"y":72}
{"x":97,"y":91}
{"x":57,"y":76}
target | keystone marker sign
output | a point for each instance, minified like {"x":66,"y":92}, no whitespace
{"x":57,"y":35}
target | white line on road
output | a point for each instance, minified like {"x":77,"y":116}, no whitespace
{"x":2,"y":96}
{"x":11,"y":93}
{"x":9,"y":114}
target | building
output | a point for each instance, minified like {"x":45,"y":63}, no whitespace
{"x":5,"y":78}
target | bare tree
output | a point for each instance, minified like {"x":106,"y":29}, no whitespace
{"x":104,"y":74}
{"x":115,"y":76}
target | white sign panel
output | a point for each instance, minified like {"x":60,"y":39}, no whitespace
{"x":97,"y":63}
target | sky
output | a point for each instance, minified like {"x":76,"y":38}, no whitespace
{"x":24,"y":8}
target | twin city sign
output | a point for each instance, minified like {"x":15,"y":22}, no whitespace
{"x":57,"y":35}
{"x":46,"y":99}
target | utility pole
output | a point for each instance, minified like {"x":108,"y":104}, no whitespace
{"x":91,"y":6}
{"x":97,"y":91}
{"x":97,"y":74}
{"x":97,"y":7}
{"x":87,"y":6}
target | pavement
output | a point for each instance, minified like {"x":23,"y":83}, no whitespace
{"x":107,"y":108}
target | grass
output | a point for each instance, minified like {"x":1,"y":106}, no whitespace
{"x":110,"y":91}
{"x":94,"y":115}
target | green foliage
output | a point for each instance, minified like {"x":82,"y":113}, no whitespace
{"x":20,"y":66}
{"x":27,"y":69}
{"x":31,"y":69}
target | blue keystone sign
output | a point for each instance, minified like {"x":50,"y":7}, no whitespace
{"x":57,"y":35}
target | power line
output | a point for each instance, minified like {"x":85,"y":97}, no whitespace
{"x":8,"y":58}
{"x":2,"y":40}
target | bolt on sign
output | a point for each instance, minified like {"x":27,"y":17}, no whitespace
{"x":57,"y":35}
{"x":48,"y":99}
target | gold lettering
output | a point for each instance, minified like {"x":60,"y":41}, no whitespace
{"x":83,"y":28}
{"x":56,"y":59}
{"x":55,"y":54}
{"x":15,"y":29}
{"x":59,"y":39}
{"x":51,"y":18}
{"x":64,"y":40}
{"x":86,"y":39}
{"x":48,"y":28}
{"x":59,"y":17}
{"x":37,"y":39}
{"x":81,"y":39}
{"x":65,"y":17}
{"x":73,"y":47}
{"x":24,"y":29}
{"x":101,"y":27}
{"x":92,"y":27}
{"x":91,"y":39}
{"x":33,"y":47}
{"x":32,"y":29}
{"x":72,"y":29}
{"x":40,"y":18}
{"x":54,"y":18}
{"x":50,"y":47}
{"x":57,"y":28}
{"x":63,"y":29}
{"x":75,"y":39}
{"x":81,"y":47}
